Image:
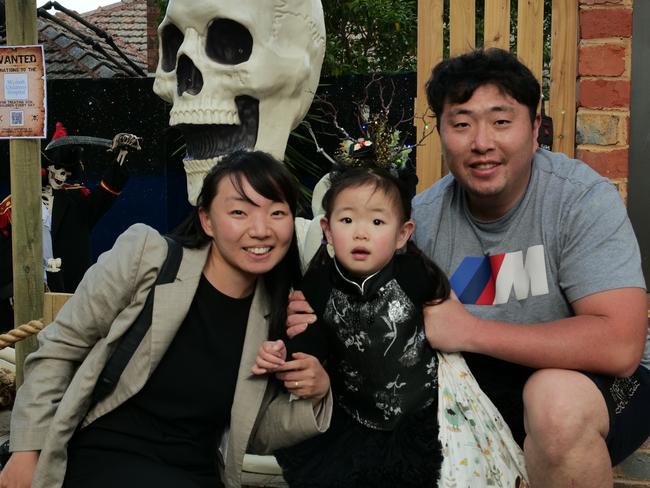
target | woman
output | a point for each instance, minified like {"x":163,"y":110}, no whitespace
{"x":189,"y":379}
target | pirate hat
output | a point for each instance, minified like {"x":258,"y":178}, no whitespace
{"x":68,"y":157}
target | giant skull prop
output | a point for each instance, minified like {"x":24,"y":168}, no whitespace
{"x":239,"y":73}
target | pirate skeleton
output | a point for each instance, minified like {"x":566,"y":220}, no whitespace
{"x":69,"y":212}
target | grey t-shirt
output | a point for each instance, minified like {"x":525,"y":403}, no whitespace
{"x":567,"y":238}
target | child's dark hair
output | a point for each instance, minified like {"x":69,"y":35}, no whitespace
{"x":272,"y":180}
{"x":454,"y":80}
{"x":400,"y":195}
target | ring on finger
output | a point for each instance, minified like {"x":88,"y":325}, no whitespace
{"x":296,"y":384}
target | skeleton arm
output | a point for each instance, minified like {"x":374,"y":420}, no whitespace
{"x":123,"y":143}
{"x":100,"y":200}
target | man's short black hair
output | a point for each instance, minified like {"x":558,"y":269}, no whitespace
{"x":454,"y":80}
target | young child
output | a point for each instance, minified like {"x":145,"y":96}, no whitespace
{"x":370,"y":333}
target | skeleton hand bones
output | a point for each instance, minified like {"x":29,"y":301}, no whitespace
{"x":125,"y":142}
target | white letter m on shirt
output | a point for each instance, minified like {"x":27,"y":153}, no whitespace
{"x":527,"y":278}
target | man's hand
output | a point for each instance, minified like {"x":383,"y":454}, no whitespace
{"x":299,"y":314}
{"x":305,"y":377}
{"x":270,"y":355}
{"x":19,"y":470}
{"x":449,"y":326}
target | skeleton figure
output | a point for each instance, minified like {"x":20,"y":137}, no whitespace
{"x":57,"y":176}
{"x":239,"y":73}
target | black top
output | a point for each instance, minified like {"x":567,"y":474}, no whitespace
{"x":372,"y":334}
{"x":180,"y":414}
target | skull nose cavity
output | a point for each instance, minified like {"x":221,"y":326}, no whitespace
{"x":190,"y":79}
{"x":228,"y":42}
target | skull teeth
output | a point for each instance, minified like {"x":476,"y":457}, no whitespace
{"x":212,"y":139}
{"x":204,"y":116}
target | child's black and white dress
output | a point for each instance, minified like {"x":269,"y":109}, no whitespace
{"x":383,"y":372}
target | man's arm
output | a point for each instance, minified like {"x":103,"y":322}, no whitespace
{"x":607,"y":334}
{"x":299,"y":314}
{"x":114,"y":179}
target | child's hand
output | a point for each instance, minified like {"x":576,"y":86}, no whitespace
{"x":270,"y":356}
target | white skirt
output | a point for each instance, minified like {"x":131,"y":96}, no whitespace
{"x":477,"y":445}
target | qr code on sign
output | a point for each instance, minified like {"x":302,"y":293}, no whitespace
{"x":17,"y":117}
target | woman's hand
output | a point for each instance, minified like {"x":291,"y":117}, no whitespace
{"x":270,"y":355}
{"x":19,"y":470}
{"x":299,"y":314}
{"x":305,"y":377}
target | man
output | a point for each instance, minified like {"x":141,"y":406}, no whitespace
{"x":541,"y":254}
{"x":551,"y":307}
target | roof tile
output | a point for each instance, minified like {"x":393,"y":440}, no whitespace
{"x":68,"y":56}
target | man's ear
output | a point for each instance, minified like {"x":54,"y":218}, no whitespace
{"x":206,"y":224}
{"x":324,"y":224}
{"x":536,"y":125}
{"x":405,"y":233}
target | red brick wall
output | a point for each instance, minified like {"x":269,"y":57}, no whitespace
{"x":603,"y":132}
{"x":603,"y":120}
{"x":153,"y":17}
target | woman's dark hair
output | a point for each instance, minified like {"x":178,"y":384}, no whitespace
{"x":455,"y":80}
{"x":399,"y":193}
{"x":272,"y":180}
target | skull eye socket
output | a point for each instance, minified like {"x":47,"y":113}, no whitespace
{"x":171,"y":38}
{"x":229,"y":42}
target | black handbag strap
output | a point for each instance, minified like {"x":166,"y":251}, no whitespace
{"x":129,"y":342}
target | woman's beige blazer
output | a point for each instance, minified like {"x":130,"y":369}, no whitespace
{"x":61,"y":374}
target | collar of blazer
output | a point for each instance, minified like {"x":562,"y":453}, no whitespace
{"x":172,"y":302}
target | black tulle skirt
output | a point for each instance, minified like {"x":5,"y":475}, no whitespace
{"x":352,"y":455}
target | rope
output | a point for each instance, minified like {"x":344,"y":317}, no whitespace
{"x":21,"y":332}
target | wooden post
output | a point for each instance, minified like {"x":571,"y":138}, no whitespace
{"x":429,"y":164}
{"x":564,"y":68}
{"x":496,"y":24}
{"x":530,"y":35}
{"x":26,"y":226}
{"x":462,"y":16}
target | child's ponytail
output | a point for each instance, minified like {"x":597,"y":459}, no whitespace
{"x":320,"y":259}
{"x":442,"y":289}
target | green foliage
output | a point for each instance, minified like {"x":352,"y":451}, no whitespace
{"x":162,"y":6}
{"x":365,"y":36}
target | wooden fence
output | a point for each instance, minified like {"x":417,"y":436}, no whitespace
{"x":529,"y":32}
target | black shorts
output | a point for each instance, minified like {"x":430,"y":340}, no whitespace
{"x":627,"y":399}
{"x":628,"y":405}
